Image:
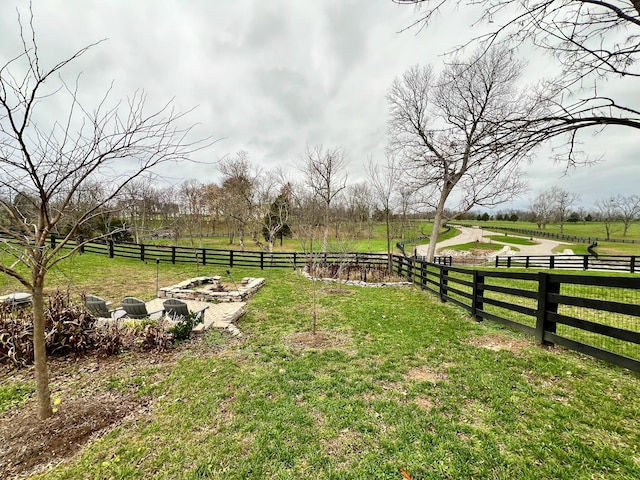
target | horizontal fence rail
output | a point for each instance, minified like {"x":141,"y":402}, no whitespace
{"x":556,"y":236}
{"x":230,"y":258}
{"x":598,"y":316}
{"x":620,"y":263}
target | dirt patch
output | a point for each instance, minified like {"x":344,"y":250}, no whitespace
{"x":338,"y":291}
{"x":499,"y":342}
{"x":321,"y":340}
{"x":30,"y":445}
{"x":426,"y":374}
{"x":426,"y":403}
{"x":95,"y":396}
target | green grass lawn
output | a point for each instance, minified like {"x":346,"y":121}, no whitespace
{"x":478,"y":246}
{"x":511,"y":240}
{"x":395,"y":379}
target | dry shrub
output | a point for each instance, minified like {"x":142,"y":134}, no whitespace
{"x":69,"y":330}
{"x":359,"y":273}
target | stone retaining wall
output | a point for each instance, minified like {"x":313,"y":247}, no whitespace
{"x":210,"y":289}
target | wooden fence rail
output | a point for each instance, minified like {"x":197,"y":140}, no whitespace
{"x":621,"y":263}
{"x":557,"y":236}
{"x":598,"y":316}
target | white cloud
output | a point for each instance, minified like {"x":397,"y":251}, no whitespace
{"x":272,"y":77}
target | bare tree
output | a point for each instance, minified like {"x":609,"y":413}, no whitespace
{"x":276,"y":222}
{"x":51,"y":163}
{"x":191,"y":194}
{"x":137,"y":202}
{"x":591,"y":40}
{"x":453,"y":132}
{"x":562,"y":202}
{"x":608,"y":212}
{"x":212,"y":199}
{"x":324,"y":175}
{"x":542,"y":209}
{"x":629,"y":208}
{"x":239,"y":187}
{"x":384,"y":182}
{"x":360,"y":203}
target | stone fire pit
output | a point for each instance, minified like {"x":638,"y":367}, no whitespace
{"x":211,"y":289}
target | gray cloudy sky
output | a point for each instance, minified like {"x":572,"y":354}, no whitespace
{"x":272,"y":76}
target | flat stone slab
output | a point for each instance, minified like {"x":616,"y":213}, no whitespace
{"x":218,"y":315}
{"x":19,"y":298}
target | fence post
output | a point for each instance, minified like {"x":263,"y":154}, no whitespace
{"x":142,"y":252}
{"x":526,"y":261}
{"x":204,"y":256}
{"x":423,"y":275}
{"x":410,"y":270}
{"x":230,"y":258}
{"x":443,"y":284}
{"x":173,"y":255}
{"x":551,"y":261}
{"x":261,"y":260}
{"x":81,"y":243}
{"x":546,"y":287}
{"x":508,"y":262}
{"x":478,"y":294}
{"x":585,"y":262}
{"x":295,"y":258}
{"x":497,"y":261}
{"x":52,"y":237}
{"x":110,"y":248}
{"x":632,"y":264}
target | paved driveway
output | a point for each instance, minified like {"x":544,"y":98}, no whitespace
{"x":467,"y":235}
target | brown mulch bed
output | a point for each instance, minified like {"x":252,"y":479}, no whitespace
{"x":30,"y":445}
{"x":88,"y":408}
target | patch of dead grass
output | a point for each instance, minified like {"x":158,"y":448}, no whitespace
{"x":500,"y":342}
{"x":323,"y":339}
{"x":424,"y":373}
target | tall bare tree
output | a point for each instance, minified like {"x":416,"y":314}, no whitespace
{"x":562,"y":203}
{"x":191,"y":194}
{"x":453,"y":133}
{"x":323,"y":170}
{"x":592,"y":41}
{"x":384,"y":180}
{"x":608,"y":212}
{"x":239,"y":190}
{"x":51,"y":162}
{"x":629,"y":208}
{"x":542,"y":209}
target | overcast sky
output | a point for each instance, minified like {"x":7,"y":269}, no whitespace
{"x":270,"y":77}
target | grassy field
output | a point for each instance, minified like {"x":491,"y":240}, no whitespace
{"x":583,"y":229}
{"x":393,"y":380}
{"x":354,"y":242}
{"x":377,"y":243}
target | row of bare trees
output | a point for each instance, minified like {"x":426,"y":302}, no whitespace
{"x":559,"y":206}
{"x":459,"y":134}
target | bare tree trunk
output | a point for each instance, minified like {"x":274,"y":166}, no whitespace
{"x":325,"y":236}
{"x":40,"y":350}
{"x":437,"y":222}
{"x":389,"y":255}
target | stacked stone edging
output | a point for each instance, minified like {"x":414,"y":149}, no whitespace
{"x":188,"y":290}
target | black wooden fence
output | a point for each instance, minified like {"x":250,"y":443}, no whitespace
{"x":621,"y":263}
{"x":557,"y":236}
{"x":598,"y":316}
{"x":229,"y":258}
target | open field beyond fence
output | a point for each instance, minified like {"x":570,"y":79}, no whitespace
{"x":394,"y":380}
